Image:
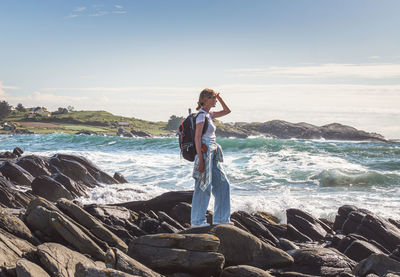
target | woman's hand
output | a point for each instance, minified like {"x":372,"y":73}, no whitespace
{"x":200,"y":166}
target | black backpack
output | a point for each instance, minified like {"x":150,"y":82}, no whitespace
{"x":186,"y":134}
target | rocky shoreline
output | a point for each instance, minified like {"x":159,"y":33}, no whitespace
{"x":273,"y":129}
{"x":45,"y":231}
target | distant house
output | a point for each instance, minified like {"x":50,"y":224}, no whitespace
{"x":123,"y":123}
{"x":8,"y":127}
{"x":38,"y":110}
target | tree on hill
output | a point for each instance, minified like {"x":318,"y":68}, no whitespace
{"x":174,"y":122}
{"x":20,"y":108}
{"x":5,"y":109}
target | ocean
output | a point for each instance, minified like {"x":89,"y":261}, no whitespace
{"x":266,"y":174}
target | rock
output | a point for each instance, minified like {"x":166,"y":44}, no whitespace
{"x":75,"y":236}
{"x":75,"y":171}
{"x":150,"y":225}
{"x":35,"y":165}
{"x":352,"y":221}
{"x":359,"y":250}
{"x":164,"y":217}
{"x":49,"y":188}
{"x":244,"y":270}
{"x":94,"y":171}
{"x":141,"y":134}
{"x":382,"y":231}
{"x":181,"y":212}
{"x":76,"y":189}
{"x":195,"y":242}
{"x":16,"y":226}
{"x":309,"y":226}
{"x":91,"y":223}
{"x":7,"y":156}
{"x":120,"y":178}
{"x":13,"y":249}
{"x":286,"y":244}
{"x":86,"y":271}
{"x":118,"y":260}
{"x":168,"y":260}
{"x":379,"y":264}
{"x":16,"y":174}
{"x":44,"y":216}
{"x":254,"y":226}
{"x":164,"y":227}
{"x":12,"y":197}
{"x":165,"y":202}
{"x":342,"y":216}
{"x":247,"y":249}
{"x":296,"y":235}
{"x":60,"y":260}
{"x":18,"y":151}
{"x":124,"y":133}
{"x":117,"y":219}
{"x":320,"y":261}
{"x":26,"y":268}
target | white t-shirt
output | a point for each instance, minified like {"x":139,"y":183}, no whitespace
{"x":210,"y":133}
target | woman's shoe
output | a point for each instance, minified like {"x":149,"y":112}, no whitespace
{"x":223,"y":223}
{"x":199,"y":225}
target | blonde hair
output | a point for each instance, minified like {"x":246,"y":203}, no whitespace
{"x":204,"y":94}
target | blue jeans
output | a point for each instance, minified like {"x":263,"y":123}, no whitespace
{"x":221,"y":191}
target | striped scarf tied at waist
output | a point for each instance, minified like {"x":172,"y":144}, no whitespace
{"x":205,"y":177}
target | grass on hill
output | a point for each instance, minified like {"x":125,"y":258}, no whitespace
{"x":72,"y":122}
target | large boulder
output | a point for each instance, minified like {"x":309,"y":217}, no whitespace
{"x":118,"y":260}
{"x":60,"y":260}
{"x":12,"y":197}
{"x":242,"y":248}
{"x":76,"y":189}
{"x":13,"y":249}
{"x":90,"y":271}
{"x":43,"y":216}
{"x":95,"y":171}
{"x":16,"y":174}
{"x":320,"y":262}
{"x":195,"y":253}
{"x":49,"y":188}
{"x":309,"y":226}
{"x":16,"y":226}
{"x":26,"y":268}
{"x":35,"y":165}
{"x":165,"y":202}
{"x":378,"y":264}
{"x":254,"y":226}
{"x":91,"y":223}
{"x":359,"y":250}
{"x":381,"y":230}
{"x":75,"y":171}
{"x":244,"y":270}
{"x":76,"y":237}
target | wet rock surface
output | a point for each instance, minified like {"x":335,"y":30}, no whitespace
{"x":45,"y":231}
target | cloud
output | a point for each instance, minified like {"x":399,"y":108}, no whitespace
{"x":373,"y":71}
{"x":79,"y":9}
{"x":374,"y":57}
{"x":97,"y":11}
{"x":3,"y":94}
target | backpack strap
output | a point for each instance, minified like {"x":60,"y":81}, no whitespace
{"x":205,"y":126}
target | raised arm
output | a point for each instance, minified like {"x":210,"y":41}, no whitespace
{"x":225,"y":110}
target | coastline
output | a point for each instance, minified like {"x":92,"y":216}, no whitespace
{"x":129,"y":233}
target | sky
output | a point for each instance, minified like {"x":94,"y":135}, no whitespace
{"x":314,"y":61}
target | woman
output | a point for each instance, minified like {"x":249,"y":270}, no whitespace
{"x":208,"y":171}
